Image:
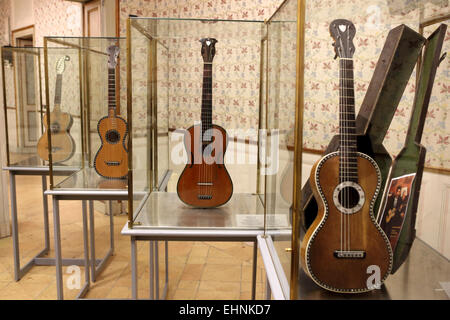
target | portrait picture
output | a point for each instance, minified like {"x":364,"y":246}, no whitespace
{"x":396,"y":206}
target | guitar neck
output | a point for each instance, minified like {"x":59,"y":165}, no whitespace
{"x":58,"y":86}
{"x":348,"y":164}
{"x":206,"y":115}
{"x":112,"y":110}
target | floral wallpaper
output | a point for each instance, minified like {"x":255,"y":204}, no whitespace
{"x":236,"y":63}
{"x":5,"y":12}
{"x":57,"y":18}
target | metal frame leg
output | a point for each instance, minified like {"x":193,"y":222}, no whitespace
{"x":111,"y":226}
{"x":152,"y":270}
{"x":97,"y":265}
{"x":166,"y":258}
{"x":255,"y":261}
{"x":92,"y":239}
{"x":57,"y":240}
{"x":86,"y":286}
{"x":38,"y":259}
{"x":15,"y":225}
{"x":156,"y":244}
{"x":58,"y":256}
{"x":45,"y":207}
{"x":134,"y":284}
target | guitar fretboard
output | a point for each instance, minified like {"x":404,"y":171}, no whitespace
{"x":348,"y":166}
{"x":206,"y":115}
{"x":112,"y":91}
{"x":58,"y":86}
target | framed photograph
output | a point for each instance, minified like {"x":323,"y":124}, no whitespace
{"x":396,"y":207}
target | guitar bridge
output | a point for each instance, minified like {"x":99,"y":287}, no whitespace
{"x":204,"y":197}
{"x":204,"y":183}
{"x":113,"y":163}
{"x":352,"y":254}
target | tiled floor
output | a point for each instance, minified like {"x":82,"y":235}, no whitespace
{"x":197,"y":270}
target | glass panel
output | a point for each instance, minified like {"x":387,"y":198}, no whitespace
{"x":22,"y":91}
{"x":282,"y":54}
{"x":89,"y":128}
{"x":165,"y":105}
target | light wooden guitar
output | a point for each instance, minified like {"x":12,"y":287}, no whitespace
{"x":63,"y":146}
{"x":345,"y":250}
{"x":111,"y":160}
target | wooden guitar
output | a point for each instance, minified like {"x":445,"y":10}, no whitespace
{"x":205,"y":181}
{"x":111,"y":160}
{"x":63,"y":145}
{"x":344,"y":245}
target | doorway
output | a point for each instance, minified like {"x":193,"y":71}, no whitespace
{"x":27,"y":92}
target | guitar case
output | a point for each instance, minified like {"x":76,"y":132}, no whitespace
{"x":411,"y":158}
{"x":392,"y":72}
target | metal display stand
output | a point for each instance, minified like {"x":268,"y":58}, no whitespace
{"x":162,"y":217}
{"x":69,"y":190}
{"x":33,"y":167}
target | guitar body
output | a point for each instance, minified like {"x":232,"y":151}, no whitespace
{"x":111,"y":160}
{"x":205,"y":181}
{"x":63,"y":146}
{"x":364,"y":238}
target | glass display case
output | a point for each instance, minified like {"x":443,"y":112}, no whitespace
{"x":22,"y":88}
{"x":195,"y":82}
{"x":171,"y":88}
{"x":87,"y":117}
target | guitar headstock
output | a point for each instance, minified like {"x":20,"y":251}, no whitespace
{"x":208,"y":49}
{"x":113,"y":54}
{"x":61,"y":64}
{"x":343,"y":31}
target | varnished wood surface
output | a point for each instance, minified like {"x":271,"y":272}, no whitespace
{"x":63,"y":145}
{"x":210,"y":170}
{"x":112,"y":152}
{"x":344,"y":273}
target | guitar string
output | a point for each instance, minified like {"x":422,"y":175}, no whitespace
{"x":341,"y":164}
{"x":347,"y":160}
{"x":342,"y":158}
{"x":347,"y":118}
{"x":350,"y":148}
{"x":346,"y":151}
{"x":208,"y":125}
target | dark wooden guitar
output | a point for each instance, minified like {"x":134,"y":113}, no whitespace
{"x":63,"y":146}
{"x":344,"y":245}
{"x":205,"y":181}
{"x":111,"y":160}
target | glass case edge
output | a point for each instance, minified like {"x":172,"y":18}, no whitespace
{"x":296,"y":197}
{"x":47,"y":112}
{"x":129,"y":120}
{"x":5,"y":107}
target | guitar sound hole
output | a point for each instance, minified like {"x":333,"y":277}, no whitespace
{"x":54,"y":127}
{"x":348,"y":197}
{"x":112,"y":136}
